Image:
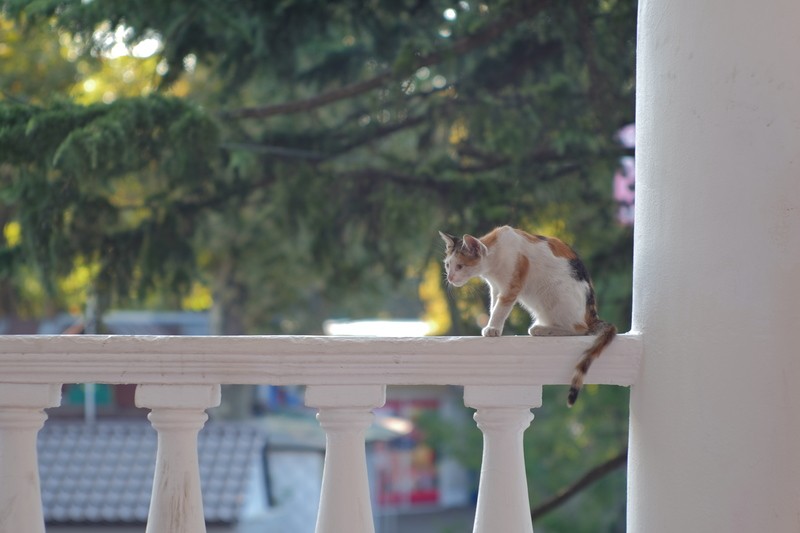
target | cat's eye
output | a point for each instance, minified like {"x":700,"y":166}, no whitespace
{"x":459,"y":267}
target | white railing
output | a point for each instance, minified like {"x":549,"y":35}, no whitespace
{"x":179,"y":378}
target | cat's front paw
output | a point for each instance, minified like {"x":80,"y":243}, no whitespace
{"x":489,"y":331}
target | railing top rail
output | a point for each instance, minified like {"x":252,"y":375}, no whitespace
{"x":311,"y":360}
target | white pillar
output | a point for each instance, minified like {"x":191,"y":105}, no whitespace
{"x":503,"y":414}
{"x":715,"y":416}
{"x":21,"y":417}
{"x":177,"y":414}
{"x":345,"y":413}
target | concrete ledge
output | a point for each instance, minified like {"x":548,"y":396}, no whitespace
{"x":311,"y":360}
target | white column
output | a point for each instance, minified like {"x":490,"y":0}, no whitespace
{"x":503,"y":414}
{"x":715,"y":416}
{"x":21,"y":417}
{"x":177,"y":414}
{"x":345,"y":413}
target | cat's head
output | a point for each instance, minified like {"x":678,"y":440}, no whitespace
{"x":463,"y":258}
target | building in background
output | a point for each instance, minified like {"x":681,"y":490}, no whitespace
{"x":625,"y":177}
{"x":259,"y":474}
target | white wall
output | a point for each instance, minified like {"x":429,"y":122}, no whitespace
{"x":715,"y":423}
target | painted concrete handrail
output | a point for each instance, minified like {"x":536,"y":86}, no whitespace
{"x":178,"y":378}
{"x":300,"y":360}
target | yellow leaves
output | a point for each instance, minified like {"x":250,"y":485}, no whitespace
{"x":551,"y":222}
{"x":79,"y":279}
{"x":75,"y":286}
{"x":607,"y":6}
{"x":12,"y":232}
{"x":434,"y":300}
{"x":552,"y":228}
{"x":180,"y":88}
{"x":31,"y":289}
{"x":199,"y":299}
{"x":119,"y":77}
{"x":459,"y":132}
{"x":72,"y":290}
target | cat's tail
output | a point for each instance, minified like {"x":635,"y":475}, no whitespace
{"x":605,"y":334}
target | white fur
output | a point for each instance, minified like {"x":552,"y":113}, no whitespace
{"x":555,"y":299}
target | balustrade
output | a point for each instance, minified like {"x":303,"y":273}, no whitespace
{"x":177,"y":413}
{"x":179,"y":378}
{"x":345,"y":413}
{"x":21,"y":417}
{"x":503,"y":414}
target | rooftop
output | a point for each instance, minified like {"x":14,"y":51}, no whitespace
{"x":103,"y":472}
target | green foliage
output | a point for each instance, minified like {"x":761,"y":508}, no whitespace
{"x":560,"y":447}
{"x":75,"y":169}
{"x":318,"y":148}
{"x":481,"y":120}
{"x":31,"y":62}
{"x":564,"y":443}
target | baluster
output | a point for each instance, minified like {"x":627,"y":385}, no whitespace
{"x":345,"y":413}
{"x":177,"y":414}
{"x":21,"y":417}
{"x":503,"y":414}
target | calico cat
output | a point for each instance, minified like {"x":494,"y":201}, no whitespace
{"x":541,"y":273}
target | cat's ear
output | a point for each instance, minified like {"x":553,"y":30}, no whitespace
{"x":449,"y":240}
{"x":474,"y":247}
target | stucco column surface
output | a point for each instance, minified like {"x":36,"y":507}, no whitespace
{"x":715,"y":416}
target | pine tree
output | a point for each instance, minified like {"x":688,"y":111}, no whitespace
{"x":297,"y":157}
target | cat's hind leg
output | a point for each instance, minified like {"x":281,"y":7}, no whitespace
{"x":538,"y":330}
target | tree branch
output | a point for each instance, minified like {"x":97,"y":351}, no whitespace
{"x":285,"y":152}
{"x":379,"y":133}
{"x":528,"y":10}
{"x":280,"y":152}
{"x":488,"y":161}
{"x":398,"y":178}
{"x":593,"y":475}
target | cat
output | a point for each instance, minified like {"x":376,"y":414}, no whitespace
{"x":544,"y":275}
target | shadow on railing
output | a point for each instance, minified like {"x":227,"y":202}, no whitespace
{"x":178,"y":378}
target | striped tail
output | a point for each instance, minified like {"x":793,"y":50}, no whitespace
{"x":605,"y":334}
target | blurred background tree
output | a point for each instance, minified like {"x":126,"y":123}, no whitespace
{"x":287,"y":162}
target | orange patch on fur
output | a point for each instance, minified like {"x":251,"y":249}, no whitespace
{"x":560,"y":249}
{"x":520,"y":273}
{"x":490,"y":238}
{"x":507,"y":299}
{"x":580,"y":328}
{"x":531,"y":238}
{"x":517,"y":281}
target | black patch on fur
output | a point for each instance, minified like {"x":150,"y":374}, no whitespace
{"x":591,"y":307}
{"x":573,"y":395}
{"x":579,"y":271}
{"x":590,"y":302}
{"x":457,"y":242}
